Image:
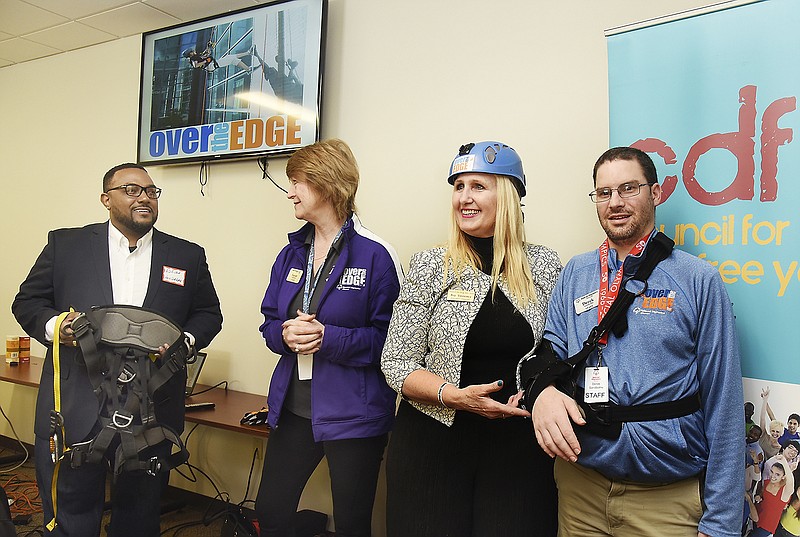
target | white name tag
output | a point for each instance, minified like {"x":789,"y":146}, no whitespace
{"x":173,"y":275}
{"x":460,"y":295}
{"x":587,"y":302}
{"x":595,"y":385}
{"x":294,"y":275}
{"x":305,"y":365}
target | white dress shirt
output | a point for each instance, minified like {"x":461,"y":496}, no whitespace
{"x":130,"y":271}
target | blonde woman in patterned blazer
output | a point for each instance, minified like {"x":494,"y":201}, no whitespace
{"x":463,"y":459}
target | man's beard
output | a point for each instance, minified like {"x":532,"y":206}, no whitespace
{"x":634,"y":230}
{"x":139,"y":227}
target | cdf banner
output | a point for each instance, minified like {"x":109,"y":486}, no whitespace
{"x":713,"y":99}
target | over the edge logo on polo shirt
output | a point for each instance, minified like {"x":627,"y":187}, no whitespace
{"x":659,"y":301}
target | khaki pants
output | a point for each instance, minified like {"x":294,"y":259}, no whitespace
{"x":589,"y":504}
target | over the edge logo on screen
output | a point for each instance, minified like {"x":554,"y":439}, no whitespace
{"x":272,"y":132}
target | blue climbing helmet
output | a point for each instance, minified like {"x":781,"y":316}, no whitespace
{"x":489,"y":157}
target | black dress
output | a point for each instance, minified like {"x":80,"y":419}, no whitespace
{"x":484,"y":477}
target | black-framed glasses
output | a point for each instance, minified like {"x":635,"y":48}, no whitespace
{"x":134,"y":190}
{"x":625,"y":190}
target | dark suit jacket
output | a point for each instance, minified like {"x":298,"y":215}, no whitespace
{"x":74,"y":271}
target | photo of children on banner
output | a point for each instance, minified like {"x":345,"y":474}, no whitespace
{"x":754,"y":456}
{"x":770,"y":499}
{"x":749,"y":410}
{"x":789,"y":524}
{"x":792,"y":422}
{"x":771,"y":431}
{"x":772,"y":455}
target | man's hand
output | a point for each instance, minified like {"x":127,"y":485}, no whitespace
{"x":552,"y":412}
{"x":66,"y":336}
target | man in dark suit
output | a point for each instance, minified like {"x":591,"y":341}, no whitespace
{"x":123,"y":261}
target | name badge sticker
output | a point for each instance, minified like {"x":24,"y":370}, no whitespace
{"x":460,"y":295}
{"x":173,"y":275}
{"x":596,"y":385}
{"x":305,"y":366}
{"x":587,"y":302}
{"x":294,"y":275}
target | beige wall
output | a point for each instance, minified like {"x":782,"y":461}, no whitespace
{"x":405,"y":84}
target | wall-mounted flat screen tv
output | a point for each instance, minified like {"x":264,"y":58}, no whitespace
{"x":242,"y":84}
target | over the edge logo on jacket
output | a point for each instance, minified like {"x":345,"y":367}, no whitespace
{"x":352,"y":279}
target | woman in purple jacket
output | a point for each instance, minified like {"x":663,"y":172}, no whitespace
{"x":326,"y":313}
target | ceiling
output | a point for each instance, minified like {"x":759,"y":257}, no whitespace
{"x":31,"y":29}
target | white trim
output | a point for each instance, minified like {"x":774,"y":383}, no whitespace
{"x":366,"y":233}
{"x":719,"y":6}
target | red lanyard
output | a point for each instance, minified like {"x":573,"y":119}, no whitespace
{"x":609,"y":294}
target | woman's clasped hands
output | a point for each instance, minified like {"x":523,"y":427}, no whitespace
{"x":304,"y":333}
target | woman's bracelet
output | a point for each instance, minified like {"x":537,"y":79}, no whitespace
{"x":439,"y":394}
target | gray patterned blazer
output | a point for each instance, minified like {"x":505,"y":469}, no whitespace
{"x":428,"y":331}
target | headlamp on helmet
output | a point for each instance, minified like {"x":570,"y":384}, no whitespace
{"x":489,"y":157}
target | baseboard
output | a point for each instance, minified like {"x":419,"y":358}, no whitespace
{"x":6,"y":442}
{"x":179,"y":495}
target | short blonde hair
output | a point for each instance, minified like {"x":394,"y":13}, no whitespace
{"x":775,"y":425}
{"x":331,"y":169}
{"x":510,"y":259}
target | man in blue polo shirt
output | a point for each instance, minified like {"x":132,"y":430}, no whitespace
{"x":680,"y":476}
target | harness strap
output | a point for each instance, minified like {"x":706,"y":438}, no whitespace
{"x":174,"y":361}
{"x":126,"y":452}
{"x":94,"y":449}
{"x":608,"y":413}
{"x":144,"y":439}
{"x":93,"y":359}
{"x":541,"y":367}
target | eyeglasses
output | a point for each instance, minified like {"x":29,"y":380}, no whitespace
{"x":134,"y":190}
{"x":625,"y":190}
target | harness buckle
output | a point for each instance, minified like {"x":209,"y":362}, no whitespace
{"x":173,"y":364}
{"x":155,"y":466}
{"x":126,"y":375}
{"x":79,"y":453}
{"x":80,"y":325}
{"x":121,"y":420}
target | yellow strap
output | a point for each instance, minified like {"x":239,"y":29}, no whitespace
{"x":57,"y":404}
{"x":57,"y":361}
{"x":52,"y":524}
